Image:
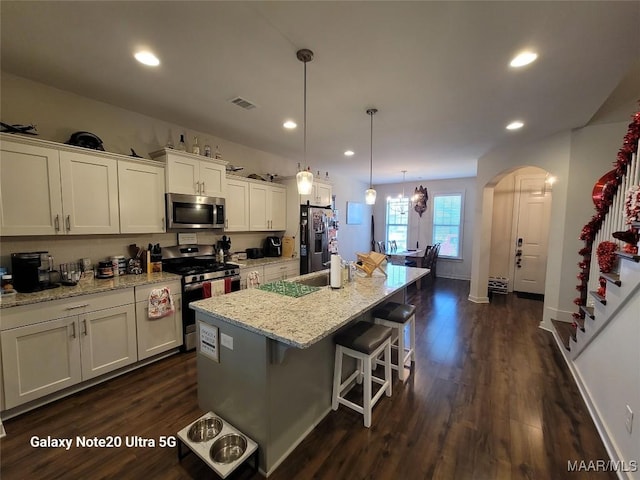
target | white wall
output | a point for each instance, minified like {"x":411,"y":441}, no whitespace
{"x":58,"y":114}
{"x":421,"y":228}
{"x":609,"y":369}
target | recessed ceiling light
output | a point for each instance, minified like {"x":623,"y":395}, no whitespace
{"x":515,"y":125}
{"x":523,"y":58}
{"x":147,"y":58}
{"x":290,"y":124}
{"x":349,"y":153}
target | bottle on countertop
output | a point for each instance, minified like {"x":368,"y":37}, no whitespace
{"x":181,"y":145}
{"x":220,"y":256}
{"x":195,"y":149}
{"x":7,"y":282}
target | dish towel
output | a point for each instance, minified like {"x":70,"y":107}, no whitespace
{"x":253,"y":279}
{"x":160,"y":303}
{"x":217,"y":288}
{"x":206,"y":290}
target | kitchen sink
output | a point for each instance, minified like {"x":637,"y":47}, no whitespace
{"x":317,"y":281}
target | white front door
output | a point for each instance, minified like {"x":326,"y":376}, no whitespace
{"x":533,"y":209}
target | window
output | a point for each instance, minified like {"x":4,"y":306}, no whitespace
{"x":447,"y":223}
{"x":398,"y":222}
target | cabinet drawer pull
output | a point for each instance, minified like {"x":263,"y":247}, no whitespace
{"x":73,"y":330}
{"x":203,"y":189}
{"x":77,"y":306}
{"x":68,"y":223}
{"x":56,"y":222}
{"x":84,"y":327}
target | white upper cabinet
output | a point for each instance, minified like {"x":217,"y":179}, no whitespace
{"x":320,"y":194}
{"x":192,"y":174}
{"x":34,"y":170}
{"x":141,"y":187}
{"x":69,"y":191}
{"x":89,"y":193}
{"x":267,"y":206}
{"x":237,"y":205}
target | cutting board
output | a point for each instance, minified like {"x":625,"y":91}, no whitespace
{"x":288,"y":246}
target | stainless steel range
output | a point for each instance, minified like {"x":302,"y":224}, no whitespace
{"x":202,"y":274}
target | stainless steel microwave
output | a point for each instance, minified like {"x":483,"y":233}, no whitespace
{"x":194,"y":211}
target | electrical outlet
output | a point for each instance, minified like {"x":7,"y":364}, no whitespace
{"x":628,"y":421}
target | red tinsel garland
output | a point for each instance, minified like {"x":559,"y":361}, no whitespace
{"x":606,"y":253}
{"x":589,"y":231}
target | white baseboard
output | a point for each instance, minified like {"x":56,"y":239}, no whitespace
{"x":593,"y":412}
{"x":474,"y":299}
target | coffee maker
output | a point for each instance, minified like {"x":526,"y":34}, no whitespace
{"x":31,"y":271}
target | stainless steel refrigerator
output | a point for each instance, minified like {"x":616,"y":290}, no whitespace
{"x":317,"y":230}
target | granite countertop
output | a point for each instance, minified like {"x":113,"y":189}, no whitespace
{"x":86,"y":287}
{"x":301,"y":322}
{"x":259,"y":262}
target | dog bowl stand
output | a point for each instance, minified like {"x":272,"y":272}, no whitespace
{"x":201,"y":449}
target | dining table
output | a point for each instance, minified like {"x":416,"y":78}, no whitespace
{"x":399,"y":258}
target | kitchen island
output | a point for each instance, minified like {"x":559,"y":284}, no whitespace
{"x":274,"y":369}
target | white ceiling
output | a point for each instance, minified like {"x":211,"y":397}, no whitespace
{"x":437,"y":71}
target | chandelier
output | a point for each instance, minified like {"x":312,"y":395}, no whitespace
{"x":401,"y":204}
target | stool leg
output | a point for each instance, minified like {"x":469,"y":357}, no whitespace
{"x":412,"y":338}
{"x":387,"y":367}
{"x":360,"y":371}
{"x":366,"y":402}
{"x":337,"y":377}
{"x":401,"y":373}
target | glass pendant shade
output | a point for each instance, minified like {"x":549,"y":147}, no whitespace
{"x":370,"y":196}
{"x":305,"y":182}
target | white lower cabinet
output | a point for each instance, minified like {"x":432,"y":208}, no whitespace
{"x":271,"y":272}
{"x":161,"y":334}
{"x":281,"y":271}
{"x":244,"y":274}
{"x":43,"y":357}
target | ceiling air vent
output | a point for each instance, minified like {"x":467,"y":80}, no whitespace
{"x":243,"y":103}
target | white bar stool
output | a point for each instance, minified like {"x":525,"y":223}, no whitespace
{"x":365,"y":342}
{"x":397,"y":316}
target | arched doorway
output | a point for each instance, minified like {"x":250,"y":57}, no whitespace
{"x":520,"y":221}
{"x":520,"y":228}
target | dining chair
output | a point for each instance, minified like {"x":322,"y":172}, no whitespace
{"x":409,"y":262}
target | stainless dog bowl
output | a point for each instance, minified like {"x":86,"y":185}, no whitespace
{"x":228,"y":448}
{"x":205,"y":429}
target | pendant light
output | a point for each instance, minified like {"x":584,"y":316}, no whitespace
{"x":370,"y":194}
{"x":304,"y":178}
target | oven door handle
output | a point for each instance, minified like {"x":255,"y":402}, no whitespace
{"x":192,"y":287}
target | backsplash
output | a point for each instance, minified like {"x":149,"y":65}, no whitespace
{"x":100,"y":247}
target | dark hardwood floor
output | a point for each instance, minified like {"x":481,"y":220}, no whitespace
{"x":490,"y":398}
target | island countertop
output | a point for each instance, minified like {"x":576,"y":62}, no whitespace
{"x":301,"y":322}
